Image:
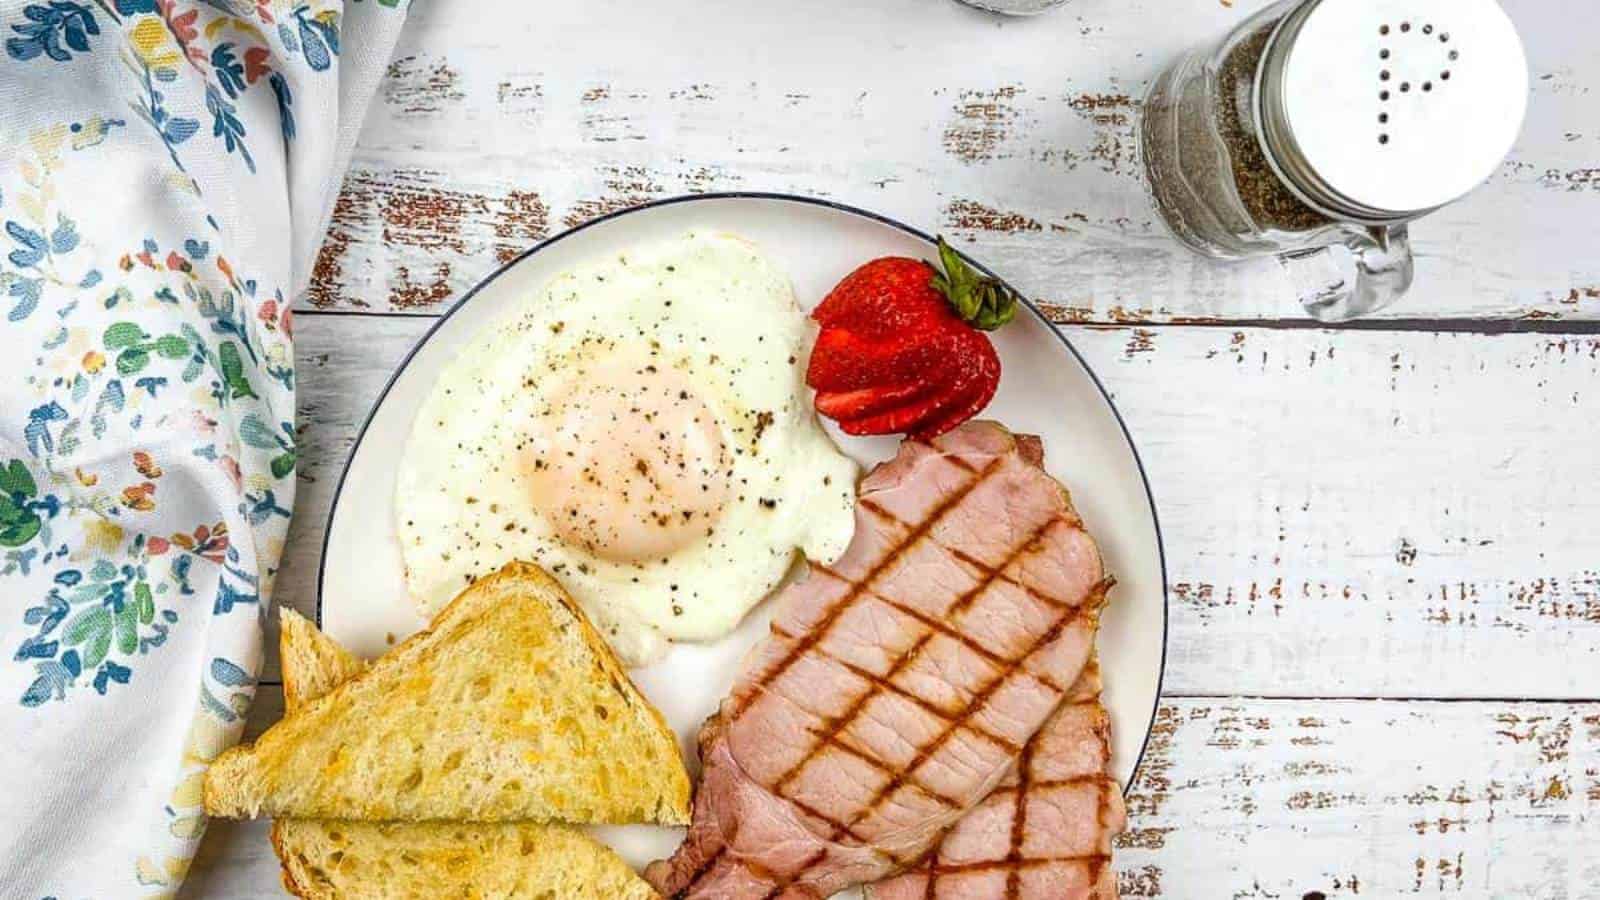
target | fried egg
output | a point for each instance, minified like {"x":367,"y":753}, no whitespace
{"x":641,"y":428}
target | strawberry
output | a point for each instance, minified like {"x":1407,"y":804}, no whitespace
{"x":900,"y":348}
{"x":845,"y":360}
{"x":896,"y":420}
{"x":843,"y":405}
{"x":884,"y":297}
{"x":982,"y":383}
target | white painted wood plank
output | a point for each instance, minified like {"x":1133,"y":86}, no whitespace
{"x":494,"y":129}
{"x":1370,"y":514}
{"x":1260,"y":798}
{"x":1346,"y":513}
{"x":1284,"y":798}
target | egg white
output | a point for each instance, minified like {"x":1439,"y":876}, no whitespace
{"x":715,"y":309}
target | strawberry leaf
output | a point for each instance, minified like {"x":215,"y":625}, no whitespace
{"x":983,"y":302}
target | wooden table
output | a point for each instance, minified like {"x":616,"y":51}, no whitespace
{"x":1383,"y":540}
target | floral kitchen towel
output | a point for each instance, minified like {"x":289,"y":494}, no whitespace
{"x":167,"y":168}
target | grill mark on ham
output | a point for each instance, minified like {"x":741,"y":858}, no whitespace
{"x":831,"y":739}
{"x":830,"y":732}
{"x":930,"y":889}
{"x":951,"y":633}
{"x":1006,"y":790}
{"x":900,"y":778}
{"x":1025,"y":596}
{"x":966,"y":557}
{"x":906,"y":659}
{"x":1021,"y":865}
{"x":952,"y":728}
{"x":843,"y":604}
{"x":1019,"y":822}
{"x":910,"y":697}
{"x":840,"y":829}
{"x":1051,"y":750}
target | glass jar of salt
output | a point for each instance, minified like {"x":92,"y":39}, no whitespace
{"x":1317,"y":129}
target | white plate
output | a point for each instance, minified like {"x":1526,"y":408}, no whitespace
{"x":1045,"y":389}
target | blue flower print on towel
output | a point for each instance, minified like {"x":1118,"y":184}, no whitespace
{"x":114,"y":598}
{"x":148,"y":449}
{"x":54,"y":29}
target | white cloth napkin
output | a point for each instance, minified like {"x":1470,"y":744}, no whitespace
{"x":167,"y":168}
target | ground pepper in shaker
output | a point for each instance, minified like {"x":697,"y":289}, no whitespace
{"x":1318,"y":129}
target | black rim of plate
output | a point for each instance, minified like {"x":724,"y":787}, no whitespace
{"x":1144,"y":477}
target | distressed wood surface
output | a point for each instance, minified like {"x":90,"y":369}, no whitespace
{"x":496,"y":129}
{"x":1346,"y":513}
{"x":1257,"y":798}
{"x":1359,"y":523}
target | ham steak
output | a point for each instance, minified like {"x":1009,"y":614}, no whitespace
{"x":900,"y":686}
{"x":1043,"y":834}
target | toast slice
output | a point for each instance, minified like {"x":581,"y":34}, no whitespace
{"x":331,"y":860}
{"x":313,"y":663}
{"x":510,"y":707}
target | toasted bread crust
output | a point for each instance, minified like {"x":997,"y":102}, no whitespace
{"x":292,"y":887}
{"x":460,"y":647}
{"x":568,"y":862}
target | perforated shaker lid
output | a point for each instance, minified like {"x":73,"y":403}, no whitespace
{"x":1390,"y":108}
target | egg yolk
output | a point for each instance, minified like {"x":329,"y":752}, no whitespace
{"x":627,"y":461}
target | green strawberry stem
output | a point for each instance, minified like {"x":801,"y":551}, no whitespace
{"x":984,"y":303}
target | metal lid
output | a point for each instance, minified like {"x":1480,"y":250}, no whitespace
{"x":1381,"y":110}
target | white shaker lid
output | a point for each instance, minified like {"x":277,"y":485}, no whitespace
{"x":1400,"y":106}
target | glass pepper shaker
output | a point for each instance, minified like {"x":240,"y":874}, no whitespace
{"x":1318,"y":129}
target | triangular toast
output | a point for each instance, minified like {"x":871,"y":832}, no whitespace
{"x":313,"y":664}
{"x":510,"y":707}
{"x":332,"y":860}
